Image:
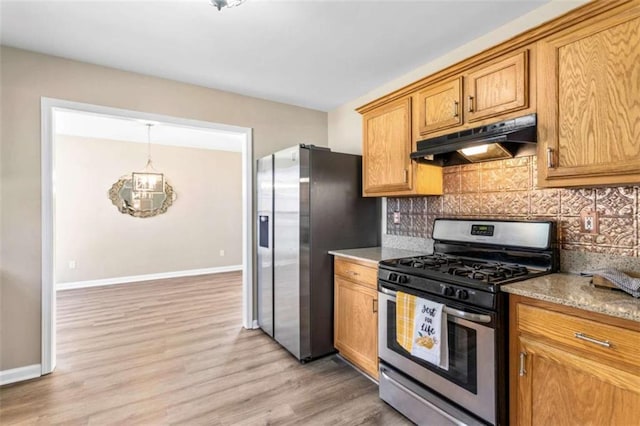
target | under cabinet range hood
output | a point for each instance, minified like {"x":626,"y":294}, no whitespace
{"x":505,"y":139}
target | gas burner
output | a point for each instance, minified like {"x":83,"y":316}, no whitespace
{"x":488,"y":272}
{"x":434,"y":261}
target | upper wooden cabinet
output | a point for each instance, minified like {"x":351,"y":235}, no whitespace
{"x":440,"y":106}
{"x":578,"y":72}
{"x":485,"y":93}
{"x":387,"y":144}
{"x":497,"y":88}
{"x":588,"y":108}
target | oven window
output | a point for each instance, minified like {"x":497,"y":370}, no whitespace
{"x":462,"y":352}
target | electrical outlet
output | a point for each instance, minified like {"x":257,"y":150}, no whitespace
{"x":396,"y":218}
{"x":589,"y":222}
{"x":221,"y":252}
{"x":72,"y":264}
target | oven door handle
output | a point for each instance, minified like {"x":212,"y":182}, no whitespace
{"x":388,"y":292}
{"x":469,"y":316}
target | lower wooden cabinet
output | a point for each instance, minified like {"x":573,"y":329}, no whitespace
{"x":356,"y":314}
{"x":572,"y":367}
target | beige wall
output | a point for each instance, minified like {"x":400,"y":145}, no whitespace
{"x":104,"y":243}
{"x":345,"y":124}
{"x":26,"y":77}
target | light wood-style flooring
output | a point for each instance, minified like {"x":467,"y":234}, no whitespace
{"x":174,"y":352}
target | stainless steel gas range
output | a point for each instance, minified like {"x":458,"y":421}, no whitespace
{"x":471,"y":260}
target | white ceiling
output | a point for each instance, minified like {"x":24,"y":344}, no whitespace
{"x":317,"y":54}
{"x":100,"y":126}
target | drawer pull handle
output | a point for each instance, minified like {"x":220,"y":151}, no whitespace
{"x":375,"y":305}
{"x":522,"y":370}
{"x":455,"y":109}
{"x":354,"y":273}
{"x":583,"y":336}
{"x":470,"y":98}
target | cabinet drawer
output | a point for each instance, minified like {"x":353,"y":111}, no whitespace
{"x":357,"y":272}
{"x":605,"y":341}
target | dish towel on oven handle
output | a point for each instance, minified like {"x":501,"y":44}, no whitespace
{"x":421,"y":329}
{"x":405,"y":312}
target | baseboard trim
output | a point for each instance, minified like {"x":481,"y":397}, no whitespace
{"x":20,"y":374}
{"x":147,"y":277}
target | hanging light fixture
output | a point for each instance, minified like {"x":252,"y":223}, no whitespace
{"x":219,"y":4}
{"x":145,"y":184}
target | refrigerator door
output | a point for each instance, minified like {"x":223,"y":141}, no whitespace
{"x":265,"y":243}
{"x":286,"y":289}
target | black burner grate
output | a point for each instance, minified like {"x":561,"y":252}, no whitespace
{"x":435,"y":261}
{"x":489,"y":272}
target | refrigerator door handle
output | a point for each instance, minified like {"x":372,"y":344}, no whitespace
{"x":263,"y":231}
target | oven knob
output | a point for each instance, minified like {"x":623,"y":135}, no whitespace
{"x":393,"y":277}
{"x":403,"y":279}
{"x":447,"y":291}
{"x":462,"y":294}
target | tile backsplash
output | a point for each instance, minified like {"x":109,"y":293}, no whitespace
{"x":507,"y":190}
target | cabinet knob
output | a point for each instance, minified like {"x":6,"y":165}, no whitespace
{"x":470,"y":103}
{"x":406,"y":175}
{"x":455,"y":109}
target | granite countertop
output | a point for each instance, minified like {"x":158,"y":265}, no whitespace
{"x":375,"y":254}
{"x":578,"y":292}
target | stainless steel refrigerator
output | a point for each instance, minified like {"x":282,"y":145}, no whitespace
{"x":309,"y":201}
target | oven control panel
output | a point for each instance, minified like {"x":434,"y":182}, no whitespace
{"x":483,"y":230}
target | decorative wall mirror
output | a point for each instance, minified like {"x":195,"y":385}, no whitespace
{"x":140,"y":204}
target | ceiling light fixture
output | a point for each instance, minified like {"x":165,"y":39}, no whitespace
{"x":219,"y":4}
{"x":150,"y":181}
{"x":145,"y":193}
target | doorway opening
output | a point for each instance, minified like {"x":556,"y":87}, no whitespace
{"x":85,"y":125}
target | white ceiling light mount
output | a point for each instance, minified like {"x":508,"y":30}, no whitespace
{"x":219,"y":4}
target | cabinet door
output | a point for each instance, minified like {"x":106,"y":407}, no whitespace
{"x":558,"y":386}
{"x":356,"y":324}
{"x":387,"y":146}
{"x":588,"y":108}
{"x":497,"y":88}
{"x":439,"y":106}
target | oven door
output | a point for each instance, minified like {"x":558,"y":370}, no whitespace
{"x":470,"y":380}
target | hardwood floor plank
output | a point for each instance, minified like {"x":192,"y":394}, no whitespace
{"x":174,"y":352}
